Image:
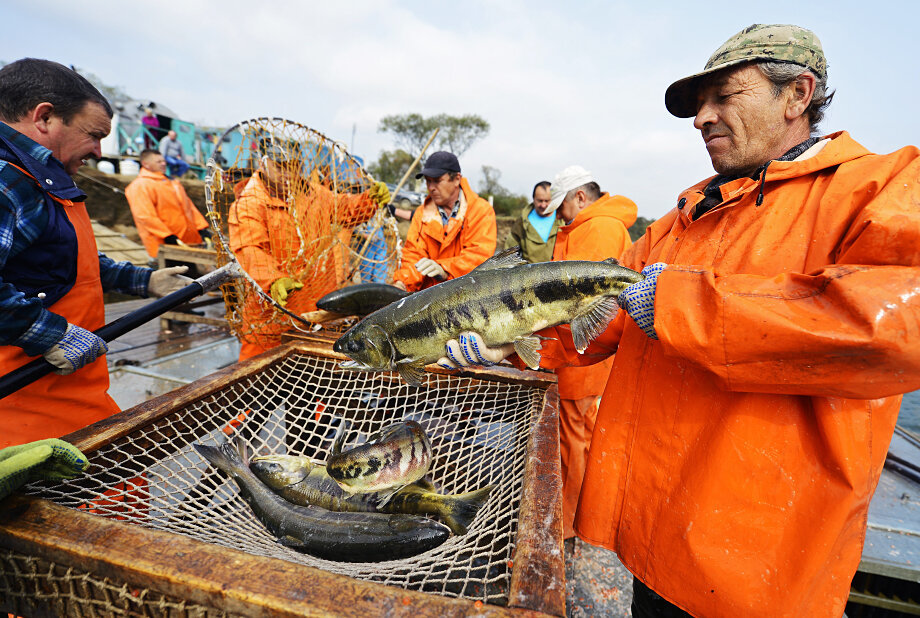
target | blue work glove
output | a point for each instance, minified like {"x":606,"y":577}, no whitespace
{"x":638,"y":300}
{"x":44,"y":460}
{"x":78,"y":347}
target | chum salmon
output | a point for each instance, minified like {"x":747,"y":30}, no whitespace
{"x":505,"y":300}
{"x":360,"y":298}
{"x":345,"y":537}
{"x":395,"y":456}
{"x":298,"y":480}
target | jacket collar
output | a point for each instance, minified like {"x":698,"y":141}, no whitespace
{"x":38,"y":161}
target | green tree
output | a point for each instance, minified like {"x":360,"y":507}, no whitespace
{"x":456,"y":135}
{"x":637,"y":229}
{"x":391,"y":165}
{"x":504,"y":202}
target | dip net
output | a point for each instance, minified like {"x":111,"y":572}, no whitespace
{"x":479,"y":431}
{"x":286,"y":201}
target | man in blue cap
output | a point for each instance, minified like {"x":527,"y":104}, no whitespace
{"x":452,"y":232}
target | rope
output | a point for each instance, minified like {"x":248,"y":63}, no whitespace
{"x":96,"y":180}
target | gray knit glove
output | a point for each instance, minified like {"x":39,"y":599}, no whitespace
{"x":167,"y":280}
{"x":78,"y":347}
{"x":638,"y":300}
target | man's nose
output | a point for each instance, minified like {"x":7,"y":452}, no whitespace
{"x":705,"y":115}
{"x":97,"y":148}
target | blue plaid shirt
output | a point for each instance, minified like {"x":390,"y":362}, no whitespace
{"x":23,"y":217}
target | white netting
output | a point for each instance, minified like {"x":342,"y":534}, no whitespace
{"x":478,"y":429}
{"x":287,"y":201}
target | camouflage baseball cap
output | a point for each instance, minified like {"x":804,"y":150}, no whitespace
{"x":773,"y":42}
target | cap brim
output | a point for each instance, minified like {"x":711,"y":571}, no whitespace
{"x":681,"y":97}
{"x":432,"y":172}
{"x":554,"y":203}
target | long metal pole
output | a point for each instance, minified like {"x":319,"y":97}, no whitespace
{"x":38,"y":368}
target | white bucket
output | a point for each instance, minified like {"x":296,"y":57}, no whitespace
{"x":128,"y":167}
{"x":106,"y":167}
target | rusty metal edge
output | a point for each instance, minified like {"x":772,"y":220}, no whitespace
{"x":207,"y":574}
{"x":538,"y":576}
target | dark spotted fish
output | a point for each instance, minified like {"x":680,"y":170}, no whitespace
{"x":392,"y":458}
{"x":296,"y":479}
{"x":345,"y":537}
{"x":361,"y":298}
{"x":505,"y":300}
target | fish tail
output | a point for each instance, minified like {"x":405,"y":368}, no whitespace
{"x":459,"y":510}
{"x":229,"y":457}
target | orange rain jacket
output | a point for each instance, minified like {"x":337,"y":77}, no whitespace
{"x":265,"y":240}
{"x":597,"y":232}
{"x":734,"y":459}
{"x":162,"y":208}
{"x":467,"y":242}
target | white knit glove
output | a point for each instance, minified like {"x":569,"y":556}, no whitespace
{"x":167,"y":280}
{"x":469,"y":349}
{"x":78,"y":347}
{"x":430,"y":268}
{"x":638,"y":300}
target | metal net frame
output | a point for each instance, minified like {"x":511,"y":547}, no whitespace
{"x":479,"y":431}
{"x":286,"y":201}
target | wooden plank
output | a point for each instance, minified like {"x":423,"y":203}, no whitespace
{"x":537,"y":579}
{"x":211,"y":575}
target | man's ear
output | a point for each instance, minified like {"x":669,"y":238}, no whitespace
{"x":801,"y":92}
{"x":41,"y":115}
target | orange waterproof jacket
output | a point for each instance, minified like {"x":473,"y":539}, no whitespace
{"x":162,"y":208}
{"x":265,"y":240}
{"x":467,"y":242}
{"x":598,"y":232}
{"x":734,"y":459}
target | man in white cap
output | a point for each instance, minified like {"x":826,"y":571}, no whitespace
{"x":760,"y":364}
{"x":594,"y":227}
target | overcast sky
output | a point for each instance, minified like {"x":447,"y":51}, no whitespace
{"x":560,"y":83}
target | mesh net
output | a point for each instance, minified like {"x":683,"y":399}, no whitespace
{"x":37,"y":587}
{"x":478,"y":430}
{"x":286,"y":201}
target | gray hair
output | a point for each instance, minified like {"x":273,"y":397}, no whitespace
{"x":592,"y":191}
{"x":781,"y":74}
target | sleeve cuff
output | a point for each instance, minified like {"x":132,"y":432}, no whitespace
{"x":44,"y":333}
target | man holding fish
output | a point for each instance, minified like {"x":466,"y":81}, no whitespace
{"x":760,"y":362}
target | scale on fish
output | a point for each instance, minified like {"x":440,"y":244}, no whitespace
{"x":390,"y":459}
{"x":505,"y":300}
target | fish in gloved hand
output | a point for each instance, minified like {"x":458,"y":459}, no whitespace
{"x":298,"y":480}
{"x":391,"y":458}
{"x":505,"y":300}
{"x":345,"y":537}
{"x":361,"y":298}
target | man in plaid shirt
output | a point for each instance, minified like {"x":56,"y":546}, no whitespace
{"x":51,"y":275}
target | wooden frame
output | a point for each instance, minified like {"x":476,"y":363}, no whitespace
{"x":248,"y":585}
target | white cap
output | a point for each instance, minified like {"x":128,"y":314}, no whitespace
{"x":570,"y":178}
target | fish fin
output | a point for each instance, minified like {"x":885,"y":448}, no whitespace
{"x":506,"y":259}
{"x":586,"y":327}
{"x":289,"y":541}
{"x":339,"y":439}
{"x":386,"y":495}
{"x":460,"y":509}
{"x":612,"y":261}
{"x":426,"y":483}
{"x":528,"y":348}
{"x":413,"y":372}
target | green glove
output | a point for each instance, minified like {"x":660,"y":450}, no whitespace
{"x":44,"y":460}
{"x":282,"y":287}
{"x":380,"y":194}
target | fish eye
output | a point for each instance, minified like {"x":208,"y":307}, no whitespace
{"x":354,"y":346}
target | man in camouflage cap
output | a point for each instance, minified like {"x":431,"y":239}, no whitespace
{"x":759,"y":366}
